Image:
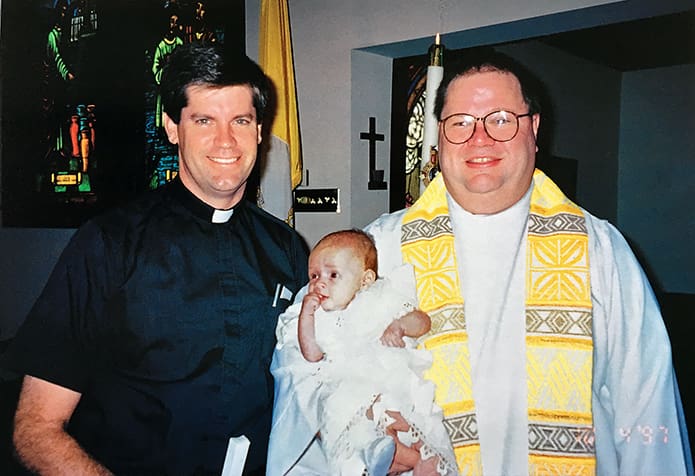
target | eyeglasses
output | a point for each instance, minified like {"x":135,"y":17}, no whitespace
{"x":501,"y":126}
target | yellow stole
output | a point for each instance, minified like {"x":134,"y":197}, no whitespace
{"x":559,"y":340}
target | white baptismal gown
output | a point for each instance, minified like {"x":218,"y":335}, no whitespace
{"x":359,"y":372}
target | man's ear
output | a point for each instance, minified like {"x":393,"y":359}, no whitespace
{"x":171,"y":128}
{"x":368,"y":278}
{"x":535,"y":123}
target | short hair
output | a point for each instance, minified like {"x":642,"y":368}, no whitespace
{"x":359,"y":241}
{"x":483,"y":60}
{"x":198,"y":64}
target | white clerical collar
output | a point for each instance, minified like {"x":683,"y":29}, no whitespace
{"x":222,"y":216}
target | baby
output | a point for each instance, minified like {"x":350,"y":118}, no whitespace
{"x":340,"y":265}
{"x":358,"y":333}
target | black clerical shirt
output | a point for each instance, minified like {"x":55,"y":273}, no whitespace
{"x":165,"y":323}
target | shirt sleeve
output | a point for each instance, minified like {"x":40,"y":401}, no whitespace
{"x":51,"y":343}
{"x":636,"y":401}
{"x":386,"y":231}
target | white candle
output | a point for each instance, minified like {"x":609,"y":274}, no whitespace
{"x":435,"y":71}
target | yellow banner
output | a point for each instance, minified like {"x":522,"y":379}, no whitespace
{"x":275,"y":57}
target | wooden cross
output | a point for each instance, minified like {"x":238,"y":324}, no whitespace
{"x":376,"y":177}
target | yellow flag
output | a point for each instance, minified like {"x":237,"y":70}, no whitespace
{"x":275,"y":57}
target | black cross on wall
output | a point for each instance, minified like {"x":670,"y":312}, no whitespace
{"x":376,"y":177}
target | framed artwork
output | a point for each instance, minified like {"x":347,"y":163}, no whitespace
{"x":81,"y":118}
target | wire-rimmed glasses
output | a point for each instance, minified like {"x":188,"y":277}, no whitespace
{"x":501,"y":126}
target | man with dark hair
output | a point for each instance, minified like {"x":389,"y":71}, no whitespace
{"x":550,"y":354}
{"x":151,"y":343}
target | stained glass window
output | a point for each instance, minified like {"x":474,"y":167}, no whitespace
{"x":80,"y":124}
{"x":407,"y":121}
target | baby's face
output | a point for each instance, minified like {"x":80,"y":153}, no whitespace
{"x":335,"y":273}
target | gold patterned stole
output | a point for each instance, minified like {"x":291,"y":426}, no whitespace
{"x":559,"y":340}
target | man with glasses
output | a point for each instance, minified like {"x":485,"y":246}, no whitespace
{"x":550,"y":354}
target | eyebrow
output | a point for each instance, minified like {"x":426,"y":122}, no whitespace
{"x":198,"y":115}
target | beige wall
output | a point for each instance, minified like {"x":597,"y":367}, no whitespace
{"x":325,"y":33}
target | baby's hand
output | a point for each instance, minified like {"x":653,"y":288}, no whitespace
{"x":393,"y":335}
{"x":427,"y":467}
{"x":310,"y":349}
{"x":310,"y":303}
